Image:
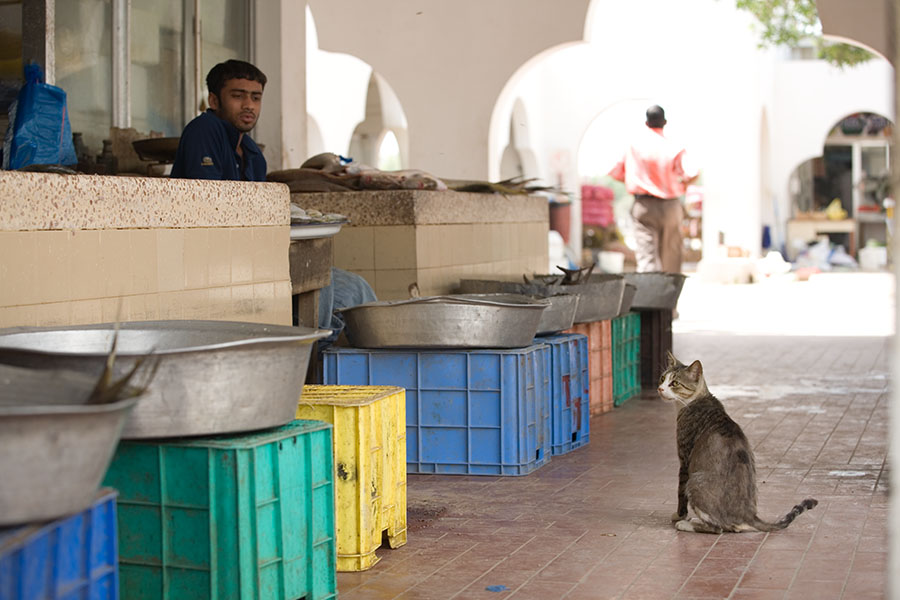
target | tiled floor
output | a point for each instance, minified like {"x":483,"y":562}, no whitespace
{"x":594,"y":523}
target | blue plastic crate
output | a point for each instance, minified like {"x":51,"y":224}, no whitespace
{"x":570,"y":394}
{"x":474,"y":412}
{"x":237,"y":517}
{"x":71,"y":558}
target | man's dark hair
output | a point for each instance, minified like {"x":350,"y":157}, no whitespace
{"x":232,"y":69}
{"x":656,"y":116}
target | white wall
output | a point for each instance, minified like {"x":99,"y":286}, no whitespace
{"x":447,"y":63}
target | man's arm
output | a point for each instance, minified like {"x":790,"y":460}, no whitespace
{"x":618,"y":171}
{"x":199,"y":154}
{"x":686,"y":169}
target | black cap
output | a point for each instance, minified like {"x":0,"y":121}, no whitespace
{"x":656,"y":116}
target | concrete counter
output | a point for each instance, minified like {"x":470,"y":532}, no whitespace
{"x":82,"y":249}
{"x":397,"y":237}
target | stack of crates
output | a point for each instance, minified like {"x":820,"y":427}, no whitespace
{"x":249,"y":515}
{"x":470,"y":412}
{"x":656,"y":342}
{"x":626,"y":359}
{"x":70,"y":557}
{"x":599,"y":334}
{"x":370,"y":466}
{"x":570,"y":411}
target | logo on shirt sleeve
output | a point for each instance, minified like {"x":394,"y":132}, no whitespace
{"x":206,"y":161}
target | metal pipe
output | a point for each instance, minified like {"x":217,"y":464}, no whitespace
{"x":198,"y":60}
{"x":121,"y":63}
{"x":39,"y":36}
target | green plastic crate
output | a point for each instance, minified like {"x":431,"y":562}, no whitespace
{"x":626,"y":346}
{"x":232,"y":517}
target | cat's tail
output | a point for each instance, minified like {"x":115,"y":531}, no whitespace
{"x":787,"y":519}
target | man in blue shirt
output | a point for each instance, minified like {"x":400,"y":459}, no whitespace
{"x":215,"y":145}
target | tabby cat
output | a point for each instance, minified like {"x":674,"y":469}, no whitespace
{"x":717,"y":478}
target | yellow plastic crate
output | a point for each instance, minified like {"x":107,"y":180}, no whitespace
{"x":369,"y":465}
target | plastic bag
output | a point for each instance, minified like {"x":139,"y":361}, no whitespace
{"x":39,"y":131}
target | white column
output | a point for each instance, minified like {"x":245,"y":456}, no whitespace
{"x":280,"y":52}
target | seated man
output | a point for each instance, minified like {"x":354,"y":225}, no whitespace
{"x":215,"y":145}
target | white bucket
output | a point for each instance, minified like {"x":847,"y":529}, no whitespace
{"x":611,"y":262}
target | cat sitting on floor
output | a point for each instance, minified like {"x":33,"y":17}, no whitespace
{"x":717,"y":478}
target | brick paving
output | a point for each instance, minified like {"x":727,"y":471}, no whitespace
{"x":594,"y":523}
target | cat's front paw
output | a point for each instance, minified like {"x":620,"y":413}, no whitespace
{"x":684,"y":525}
{"x":678,"y":517}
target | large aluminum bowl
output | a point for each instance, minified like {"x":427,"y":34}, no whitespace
{"x":558,"y":315}
{"x":656,"y":290}
{"x":53,"y":457}
{"x":213,"y":376}
{"x":454,"y":321}
{"x":598,"y":299}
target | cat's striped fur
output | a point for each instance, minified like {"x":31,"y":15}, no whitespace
{"x":717,"y":476}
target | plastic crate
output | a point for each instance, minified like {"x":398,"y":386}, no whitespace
{"x":369,"y":465}
{"x":597,"y":205}
{"x":247,"y":516}
{"x":626,"y":344}
{"x":599,"y":334}
{"x":473,"y":412}
{"x":656,"y":341}
{"x":570,"y":411}
{"x":70,"y":557}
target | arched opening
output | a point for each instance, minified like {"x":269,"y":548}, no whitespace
{"x":352,"y":106}
{"x":846,"y":189}
{"x":607,"y":231}
{"x":384,"y":122}
{"x":389,"y":153}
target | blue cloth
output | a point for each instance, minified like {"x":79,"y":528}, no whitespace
{"x":207,"y":151}
{"x":345,"y":290}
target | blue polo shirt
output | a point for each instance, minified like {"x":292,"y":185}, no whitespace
{"x":207,"y":151}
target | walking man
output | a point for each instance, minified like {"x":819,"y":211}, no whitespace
{"x":654,"y":170}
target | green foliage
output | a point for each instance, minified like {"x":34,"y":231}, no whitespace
{"x":789,"y":22}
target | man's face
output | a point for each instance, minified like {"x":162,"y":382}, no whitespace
{"x":239,"y":103}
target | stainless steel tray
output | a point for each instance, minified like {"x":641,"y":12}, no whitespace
{"x":53,"y":457}
{"x":656,"y":290}
{"x":454,"y":321}
{"x":213,"y":376}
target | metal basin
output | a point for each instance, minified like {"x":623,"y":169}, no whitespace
{"x":627,"y":298}
{"x":213,"y":376}
{"x":53,"y":457}
{"x":656,"y":290}
{"x":557,"y":316}
{"x":598,"y":299}
{"x":560,"y":315}
{"x":453,"y":321}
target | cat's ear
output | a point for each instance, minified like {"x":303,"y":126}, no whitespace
{"x":696,"y":370}
{"x":671,"y":361}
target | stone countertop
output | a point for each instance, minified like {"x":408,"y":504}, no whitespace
{"x":421,"y":207}
{"x":47,"y":201}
